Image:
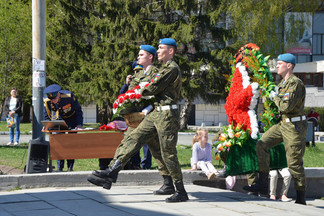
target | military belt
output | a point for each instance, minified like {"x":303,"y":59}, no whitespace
{"x":166,"y":107}
{"x":294,"y":119}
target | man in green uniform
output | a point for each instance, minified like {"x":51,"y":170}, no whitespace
{"x":145,"y":71}
{"x":162,"y":122}
{"x":291,"y":129}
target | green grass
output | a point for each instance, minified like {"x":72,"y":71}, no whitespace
{"x":16,"y":157}
{"x":24,"y":127}
{"x":314,"y":156}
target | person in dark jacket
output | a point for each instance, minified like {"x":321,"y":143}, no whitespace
{"x":63,"y":105}
{"x":13,"y":108}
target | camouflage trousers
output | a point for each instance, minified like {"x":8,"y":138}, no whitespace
{"x":293,"y":135}
{"x":159,"y":130}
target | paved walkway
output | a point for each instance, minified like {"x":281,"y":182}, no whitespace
{"x":4,"y":138}
{"x":139,"y":200}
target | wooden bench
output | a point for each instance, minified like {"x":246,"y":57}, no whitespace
{"x":84,"y":144}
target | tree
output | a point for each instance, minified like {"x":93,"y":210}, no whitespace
{"x":93,"y":43}
{"x":119,"y":27}
{"x":15,"y":50}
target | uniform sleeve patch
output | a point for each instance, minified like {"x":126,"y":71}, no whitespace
{"x":157,"y":77}
{"x":286,"y":96}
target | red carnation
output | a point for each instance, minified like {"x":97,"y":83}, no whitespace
{"x":137,"y":87}
{"x":121,"y":100}
{"x":132,"y":96}
{"x":138,"y":96}
{"x":115,"y":105}
{"x":121,"y":95}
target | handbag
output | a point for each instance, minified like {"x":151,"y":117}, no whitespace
{"x":11,"y":121}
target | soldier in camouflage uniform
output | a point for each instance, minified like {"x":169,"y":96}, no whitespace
{"x":291,"y":129}
{"x":162,"y":122}
{"x":145,"y":73}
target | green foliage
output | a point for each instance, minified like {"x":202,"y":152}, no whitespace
{"x":259,"y":21}
{"x":91,"y":44}
{"x":15,"y":48}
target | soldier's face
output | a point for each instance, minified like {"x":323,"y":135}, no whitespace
{"x":144,"y":58}
{"x":164,"y":53}
{"x":282,"y":68}
{"x":56,"y":99}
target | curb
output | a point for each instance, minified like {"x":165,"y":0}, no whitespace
{"x":21,"y":133}
{"x":315,"y":180}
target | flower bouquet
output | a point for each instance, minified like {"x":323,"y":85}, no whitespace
{"x":231,"y":136}
{"x":250,"y":80}
{"x":130,"y":104}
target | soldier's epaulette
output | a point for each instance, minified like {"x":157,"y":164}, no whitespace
{"x":65,"y":95}
{"x":46,"y":100}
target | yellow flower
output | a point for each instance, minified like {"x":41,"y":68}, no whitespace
{"x":222,"y":137}
{"x":228,"y":144}
{"x":217,"y":157}
{"x":220,"y":147}
{"x":238,"y":134}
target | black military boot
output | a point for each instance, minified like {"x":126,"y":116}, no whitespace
{"x":107,"y":177}
{"x":261,"y":186}
{"x":180,"y":195}
{"x":167,"y":187}
{"x":300,"y":197}
{"x":100,"y":181}
{"x":111,"y":173}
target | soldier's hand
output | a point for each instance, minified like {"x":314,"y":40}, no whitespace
{"x":147,"y":109}
{"x":272,"y":95}
{"x":79,"y":127}
{"x":129,"y":79}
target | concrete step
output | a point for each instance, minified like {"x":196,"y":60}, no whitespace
{"x":315,"y":180}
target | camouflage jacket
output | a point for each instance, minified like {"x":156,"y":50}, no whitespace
{"x":166,"y":85}
{"x":141,"y":77}
{"x":291,"y":97}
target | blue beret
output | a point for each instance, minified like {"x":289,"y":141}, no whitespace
{"x":138,"y":67}
{"x":149,"y":49}
{"x":52,"y":90}
{"x":287,"y":57}
{"x":134,"y":64}
{"x":168,"y":41}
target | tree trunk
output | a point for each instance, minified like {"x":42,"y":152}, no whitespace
{"x":184,"y":115}
{"x":26,"y":113}
{"x":102,"y":116}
